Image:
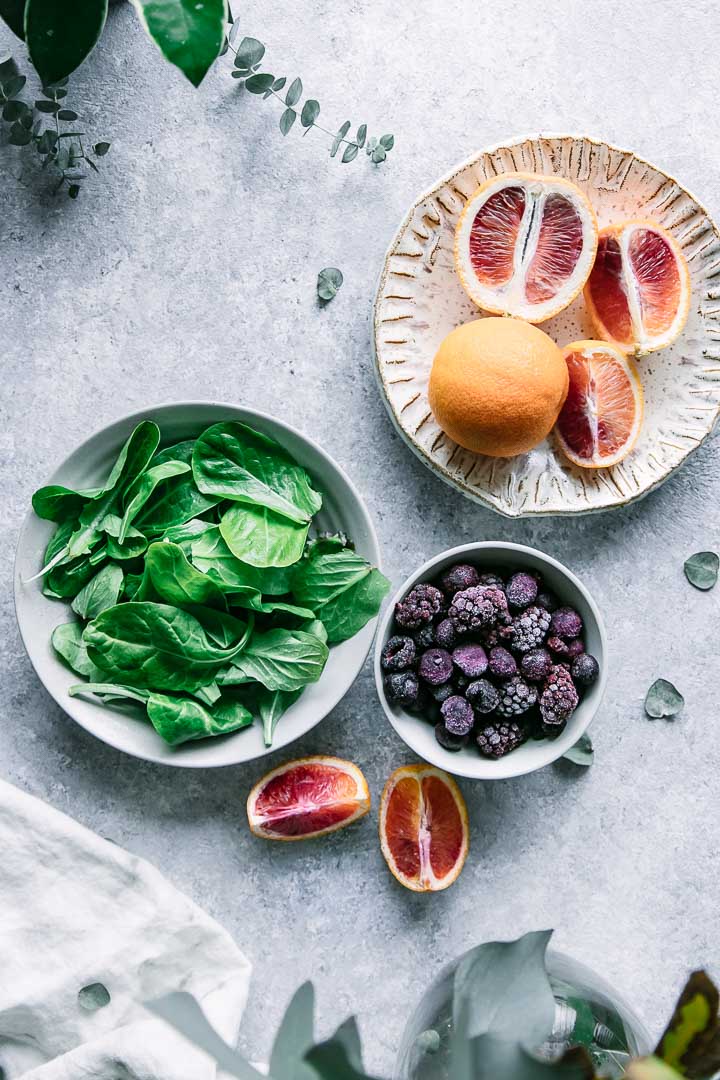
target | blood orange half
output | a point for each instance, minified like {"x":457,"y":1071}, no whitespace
{"x":423,"y":828}
{"x":525,"y":244}
{"x":602,"y":415}
{"x":307,"y":798}
{"x":638,"y":293}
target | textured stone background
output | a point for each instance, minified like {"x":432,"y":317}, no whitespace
{"x":188,"y":269}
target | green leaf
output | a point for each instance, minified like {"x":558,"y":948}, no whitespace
{"x":324,"y":576}
{"x":101,"y":592}
{"x":179,"y":720}
{"x":387,"y":141}
{"x":582,"y":752}
{"x":13,"y":110}
{"x":294,"y":92}
{"x":249,"y":52}
{"x":59,"y":36}
{"x":176,"y":500}
{"x":361,"y":134}
{"x":67,"y":114}
{"x":260,"y":537}
{"x":287,"y":120}
{"x":67,"y":641}
{"x":101,"y":148}
{"x":234,"y":462}
{"x":351,"y":152}
{"x":294,"y":1037}
{"x":189,"y":34}
{"x":347,"y":613}
{"x":93,"y":997}
{"x":278,"y":84}
{"x":281,"y":660}
{"x":19,"y":136}
{"x":342,"y":132}
{"x":134,"y":544}
{"x":272,"y":705}
{"x":330,"y":1060}
{"x":701,"y":569}
{"x":328,"y":282}
{"x":12,"y":12}
{"x":50,"y":107}
{"x":379,"y":154}
{"x":182,"y":1011}
{"x":260,"y":83}
{"x":143,"y":487}
{"x":663,"y":700}
{"x":690,"y":1043}
{"x":177,"y":581}
{"x":310,"y":113}
{"x":13,"y":86}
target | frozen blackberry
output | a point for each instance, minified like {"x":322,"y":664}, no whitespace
{"x":480,"y":606}
{"x":516,"y":697}
{"x":460,"y":682}
{"x":584,"y":669}
{"x":459,"y":577}
{"x":418,"y":607}
{"x":521,"y":590}
{"x":423,"y":705}
{"x":547,"y":600}
{"x":448,"y":740}
{"x":528,"y":629}
{"x":442,"y":692}
{"x":491,"y":579}
{"x":425,"y":637}
{"x":471,"y":659}
{"x":566,"y":623}
{"x":559,"y":698}
{"x":575,"y":647}
{"x":499,"y":739}
{"x":502,"y":664}
{"x":445,"y":635}
{"x":436,"y":666}
{"x":402,"y":687}
{"x":458,"y":715}
{"x":399,"y":653}
{"x":490,"y":637}
{"x":482,"y":695}
{"x":536,"y":665}
{"x":557,"y":645}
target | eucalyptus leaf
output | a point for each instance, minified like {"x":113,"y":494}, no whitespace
{"x":329,"y":281}
{"x":361,"y":135}
{"x":295,"y":1036}
{"x":582,"y":752}
{"x":310,"y":113}
{"x":351,"y":152}
{"x":294,"y":92}
{"x":287,"y":119}
{"x":59,"y":36}
{"x":249,"y":52}
{"x":701,"y":569}
{"x":260,"y":83}
{"x":101,"y":592}
{"x":260,"y":537}
{"x":93,"y":997}
{"x":387,"y":141}
{"x":663,"y":700}
{"x":337,"y":141}
{"x":181,"y":1011}
{"x":189,"y":34}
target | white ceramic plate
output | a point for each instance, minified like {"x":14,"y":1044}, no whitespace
{"x":343,"y":508}
{"x":535,"y":754}
{"x":420,"y":299}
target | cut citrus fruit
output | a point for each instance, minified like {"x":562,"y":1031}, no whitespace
{"x":525,"y":244}
{"x":602,"y":415}
{"x":307,"y":798}
{"x":423,"y":828}
{"x":638,"y":292}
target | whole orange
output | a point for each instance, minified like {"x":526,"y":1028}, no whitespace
{"x":497,"y":386}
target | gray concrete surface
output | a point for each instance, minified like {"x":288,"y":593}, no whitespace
{"x":188,"y":269}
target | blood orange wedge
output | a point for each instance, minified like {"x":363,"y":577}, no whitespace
{"x":307,"y":798}
{"x":525,"y":244}
{"x":638,"y":293}
{"x":602,"y":415}
{"x":423,"y":828}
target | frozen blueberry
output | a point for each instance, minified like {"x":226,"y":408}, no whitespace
{"x":442,"y":692}
{"x":584,"y":669}
{"x":445,"y":634}
{"x":436,"y":666}
{"x":458,"y":715}
{"x":548,"y":600}
{"x":471,"y":659}
{"x":448,"y":740}
{"x":425,"y":637}
{"x":566,"y":623}
{"x":522,"y":589}
{"x":402,"y":687}
{"x":502,"y":663}
{"x":536,"y":664}
{"x":398,"y":654}
{"x":459,"y":577}
{"x":482,"y":695}
{"x":418,"y":607}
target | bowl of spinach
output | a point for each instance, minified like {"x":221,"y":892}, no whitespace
{"x":198,"y":584}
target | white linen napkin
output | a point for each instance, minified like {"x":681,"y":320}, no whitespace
{"x":77,"y":910}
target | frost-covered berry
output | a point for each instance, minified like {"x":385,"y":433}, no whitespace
{"x":584,"y":669}
{"x":496,"y":740}
{"x":445,"y":635}
{"x":436,"y":666}
{"x":475,"y":608}
{"x":418,"y":607}
{"x":559,"y":698}
{"x":402,"y":687}
{"x":448,"y":740}
{"x":482,"y":695}
{"x":521,"y":590}
{"x":399,"y":653}
{"x":566,"y":623}
{"x":459,"y":577}
{"x":470,"y":659}
{"x":547,"y":600}
{"x":442,"y":692}
{"x":536,"y":665}
{"x":424,"y":638}
{"x":458,"y":715}
{"x":516,"y":697}
{"x":528,"y":629}
{"x":490,"y":578}
{"x":502,"y":664}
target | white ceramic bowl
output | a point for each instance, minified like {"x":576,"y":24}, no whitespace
{"x":419,"y":734}
{"x":37,"y":615}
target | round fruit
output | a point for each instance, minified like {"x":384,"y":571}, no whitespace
{"x":638,"y":293}
{"x":602,"y":416}
{"x":424,"y":830}
{"x":307,"y":798}
{"x":497,"y":386}
{"x":525,"y":244}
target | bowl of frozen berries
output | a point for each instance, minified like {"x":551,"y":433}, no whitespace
{"x":491,"y":660}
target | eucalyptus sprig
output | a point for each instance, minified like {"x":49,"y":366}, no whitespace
{"x":247,"y":60}
{"x":44,"y":124}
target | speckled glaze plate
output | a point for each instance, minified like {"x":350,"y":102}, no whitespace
{"x":420,"y":299}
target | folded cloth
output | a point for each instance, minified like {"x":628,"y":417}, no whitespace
{"x":77,"y":911}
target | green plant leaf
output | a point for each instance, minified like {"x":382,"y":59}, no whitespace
{"x":701,"y":569}
{"x":101,"y":592}
{"x":179,"y":720}
{"x":582,"y":752}
{"x":310,"y":113}
{"x":260,"y":83}
{"x":142,"y":488}
{"x":663,"y":700}
{"x":182,"y":1011}
{"x":379,"y":154}
{"x":134,"y":544}
{"x":58,"y":503}
{"x":269,"y":706}
{"x":294,"y":92}
{"x":59,"y":36}
{"x":12,"y":12}
{"x":13,"y":110}
{"x":93,"y":997}
{"x":347,"y":613}
{"x":287,"y":119}
{"x":342,"y":132}
{"x":101,"y":148}
{"x":329,"y":281}
{"x":691,"y":1041}
{"x":250,"y":51}
{"x":294,"y":1037}
{"x":361,"y":135}
{"x":351,"y":152}
{"x":189,"y":34}
{"x":387,"y":141}
{"x":325,"y":575}
{"x":280,"y":660}
{"x":278,"y":84}
{"x":176,"y":500}
{"x":68,"y":115}
{"x":19,"y":136}
{"x":176,"y":581}
{"x":330,"y":1060}
{"x":68,"y":643}
{"x":260,"y":537}
{"x":13,"y":86}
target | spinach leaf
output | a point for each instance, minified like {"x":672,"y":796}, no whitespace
{"x":235,"y":462}
{"x":109,"y":691}
{"x":269,"y":705}
{"x":101,"y":592}
{"x":65,"y":580}
{"x":57,"y":503}
{"x":282,"y":659}
{"x":134,"y":544}
{"x":176,"y":500}
{"x":177,"y":581}
{"x":322,"y":577}
{"x":186,"y":533}
{"x":155,"y":646}
{"x":260,"y":537}
{"x":349,"y":611}
{"x":142,"y":488}
{"x":224,"y":629}
{"x":178,"y":720}
{"x":212,"y":556}
{"x":207,"y":694}
{"x":67,"y":641}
